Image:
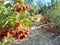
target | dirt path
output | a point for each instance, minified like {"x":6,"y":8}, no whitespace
{"x":39,"y":37}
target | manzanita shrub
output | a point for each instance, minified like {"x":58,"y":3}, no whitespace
{"x":14,"y":21}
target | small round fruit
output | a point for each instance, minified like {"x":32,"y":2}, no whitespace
{"x":25,"y":35}
{"x":26,"y":7}
{"x":23,"y":31}
{"x":18,"y":10}
{"x":7,"y":34}
{"x":20,"y":32}
{"x":16,"y":35}
{"x":27,"y":30}
{"x":21,"y":8}
{"x":12,"y":32}
{"x":22,"y":36}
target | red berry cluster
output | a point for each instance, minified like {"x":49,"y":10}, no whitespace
{"x":17,"y":34}
{"x":4,"y":35}
{"x":18,"y":8}
{"x":21,"y":34}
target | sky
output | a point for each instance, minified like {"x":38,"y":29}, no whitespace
{"x":35,"y":2}
{"x":45,"y":2}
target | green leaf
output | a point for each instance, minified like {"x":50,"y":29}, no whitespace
{"x":9,"y":11}
{"x":2,"y":17}
{"x":11,"y":23}
{"x":21,"y":15}
{"x":7,"y":5}
{"x":27,"y":22}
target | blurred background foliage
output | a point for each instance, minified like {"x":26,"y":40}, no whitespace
{"x":52,"y":10}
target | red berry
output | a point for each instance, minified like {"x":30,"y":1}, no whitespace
{"x":27,"y":30}
{"x":20,"y":32}
{"x":26,"y":7}
{"x":1,"y":37}
{"x":7,"y":34}
{"x":16,"y":35}
{"x":13,"y":33}
{"x":18,"y":10}
{"x":21,"y":36}
{"x":23,"y":31}
{"x":21,"y":8}
{"x":25,"y":35}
